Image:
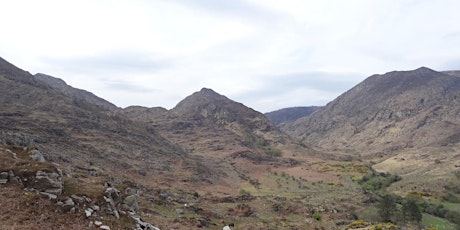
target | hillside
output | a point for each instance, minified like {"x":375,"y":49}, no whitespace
{"x":388,"y":112}
{"x":69,"y":159}
{"x":290,"y":114}
{"x":208,"y":160}
{"x":402,"y":122}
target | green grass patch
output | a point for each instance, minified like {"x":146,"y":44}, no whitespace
{"x":436,"y":222}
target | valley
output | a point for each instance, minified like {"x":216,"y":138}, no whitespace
{"x":383,"y":155}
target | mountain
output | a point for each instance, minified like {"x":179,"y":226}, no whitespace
{"x":69,"y":159}
{"x":388,"y":112}
{"x":290,"y":114}
{"x":84,"y":162}
{"x":403,"y":122}
{"x":209,"y":124}
{"x":76,"y":94}
{"x":77,"y":129}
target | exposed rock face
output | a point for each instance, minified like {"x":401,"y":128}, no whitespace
{"x":386,"y":113}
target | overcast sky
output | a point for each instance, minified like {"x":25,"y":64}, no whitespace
{"x":266,"y":54}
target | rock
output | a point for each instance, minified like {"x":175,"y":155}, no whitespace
{"x":78,"y":199}
{"x":131,"y":203}
{"x":49,"y":195}
{"x":113,"y":197}
{"x":130,"y":191}
{"x":67,"y":205}
{"x":112,"y":206}
{"x":3,"y":181}
{"x":89,"y":212}
{"x":113,"y":194}
{"x":4,"y":175}
{"x":50,"y":182}
{"x":14,"y":179}
{"x":104,"y":227}
{"x":144,"y":225}
{"x":69,"y":202}
{"x":97,"y":223}
{"x":180,"y":211}
{"x":12,"y":153}
{"x":37,"y":156}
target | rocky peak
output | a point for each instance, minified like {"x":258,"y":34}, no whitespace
{"x":204,"y":103}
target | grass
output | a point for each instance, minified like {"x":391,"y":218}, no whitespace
{"x":436,"y":222}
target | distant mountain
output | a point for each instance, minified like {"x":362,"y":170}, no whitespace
{"x":400,"y":109}
{"x":290,"y":114}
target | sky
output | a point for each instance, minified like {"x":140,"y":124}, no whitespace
{"x":266,"y":54}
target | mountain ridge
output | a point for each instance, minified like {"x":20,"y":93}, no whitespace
{"x":211,"y":160}
{"x":391,"y":97}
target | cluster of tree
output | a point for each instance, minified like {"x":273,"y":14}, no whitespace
{"x":377,"y":181}
{"x":392,"y":208}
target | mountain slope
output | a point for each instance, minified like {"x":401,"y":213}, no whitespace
{"x":71,"y":126}
{"x":388,"y":112}
{"x":209,"y":124}
{"x":76,"y":94}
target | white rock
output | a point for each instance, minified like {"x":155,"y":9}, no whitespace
{"x":104,"y":227}
{"x":97,"y":223}
{"x":88,"y":212}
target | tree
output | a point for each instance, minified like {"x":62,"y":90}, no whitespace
{"x":387,"y":207}
{"x":411,"y":211}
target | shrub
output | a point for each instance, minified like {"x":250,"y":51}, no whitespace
{"x":449,"y":197}
{"x":377,"y":181}
{"x":244,"y":192}
{"x":317,"y":216}
{"x":358,"y":224}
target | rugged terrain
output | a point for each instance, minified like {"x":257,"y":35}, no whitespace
{"x":211,"y":161}
{"x":207,"y":161}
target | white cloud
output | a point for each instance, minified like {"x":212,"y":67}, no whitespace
{"x":267,"y":54}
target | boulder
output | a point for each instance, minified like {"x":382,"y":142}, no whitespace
{"x":131,"y":203}
{"x":37,"y":156}
{"x":67,"y":206}
{"x":14,"y":179}
{"x":113,"y":194}
{"x":50,"y":182}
